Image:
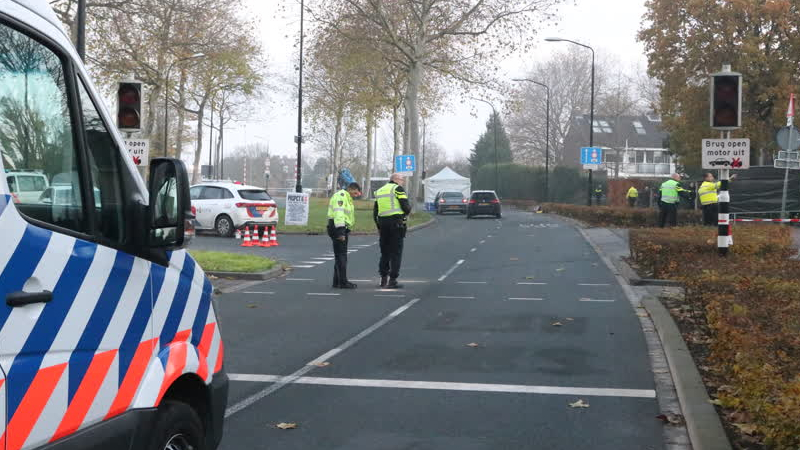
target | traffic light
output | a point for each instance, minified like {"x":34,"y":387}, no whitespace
{"x":129,"y":106}
{"x":726,"y":100}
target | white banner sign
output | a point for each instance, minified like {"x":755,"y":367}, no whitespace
{"x":726,"y":153}
{"x":296,"y":209}
{"x":139,"y":151}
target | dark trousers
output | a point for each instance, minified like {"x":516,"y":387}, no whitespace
{"x":632,"y":202}
{"x":392,"y":235}
{"x":340,"y":264}
{"x":710,"y":214}
{"x":669,"y":213}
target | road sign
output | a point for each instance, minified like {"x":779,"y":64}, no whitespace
{"x":726,"y":153}
{"x":591,"y":155}
{"x":139,"y":151}
{"x":782,"y":138}
{"x":296,"y":209}
{"x":788,"y":160}
{"x":405,"y":164}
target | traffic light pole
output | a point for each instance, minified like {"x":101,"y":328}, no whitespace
{"x":724,"y":236}
{"x":299,"y":186}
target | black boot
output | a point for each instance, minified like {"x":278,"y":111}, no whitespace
{"x":347,"y":285}
{"x":393,"y":284}
{"x":384,"y":281}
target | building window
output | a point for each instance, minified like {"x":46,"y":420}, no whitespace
{"x":639,"y":127}
{"x":602,"y":126}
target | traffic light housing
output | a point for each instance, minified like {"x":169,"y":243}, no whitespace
{"x":129,"y":106}
{"x":726,"y":100}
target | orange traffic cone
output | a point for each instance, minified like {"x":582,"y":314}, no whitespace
{"x":274,"y":237}
{"x":246,"y":241}
{"x":265,"y":238}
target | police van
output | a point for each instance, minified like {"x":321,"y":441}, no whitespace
{"x":108,"y":335}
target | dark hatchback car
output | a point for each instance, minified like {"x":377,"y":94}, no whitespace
{"x":484,"y":203}
{"x":450,"y":202}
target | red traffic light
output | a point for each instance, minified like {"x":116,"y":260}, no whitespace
{"x":129,"y":106}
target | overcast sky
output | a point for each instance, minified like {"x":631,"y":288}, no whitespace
{"x":610,"y":27}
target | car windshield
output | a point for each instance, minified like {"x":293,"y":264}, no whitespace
{"x":254,"y":194}
{"x":484,"y":196}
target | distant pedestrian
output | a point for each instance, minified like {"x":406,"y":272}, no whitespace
{"x":390,"y":213}
{"x":709,"y":199}
{"x":341,"y":220}
{"x":598,"y":194}
{"x":669,"y":198}
{"x":633,"y":196}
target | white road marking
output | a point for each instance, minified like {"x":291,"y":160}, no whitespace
{"x":593,"y":284}
{"x":526,"y":299}
{"x":303,"y":266}
{"x":324,"y":294}
{"x":313,"y":262}
{"x":473,"y":250}
{"x":482,"y":242}
{"x":362,"y":281}
{"x":299,"y":279}
{"x":451,"y":270}
{"x":532,"y":284}
{"x":390,"y":295}
{"x":447,"y":297}
{"x":595,"y":300}
{"x":449,"y":386}
{"x":414,"y":281}
{"x":254,"y":292}
{"x":324,"y":259}
{"x":471,"y":282}
{"x":280,"y":382}
{"x":324,"y":357}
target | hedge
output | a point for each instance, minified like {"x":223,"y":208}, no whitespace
{"x":567,"y":184}
{"x":750,"y":303}
{"x":618,"y":217}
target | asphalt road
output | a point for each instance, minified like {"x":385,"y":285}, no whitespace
{"x":372,"y":369}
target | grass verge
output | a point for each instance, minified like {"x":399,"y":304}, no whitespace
{"x":232,"y":262}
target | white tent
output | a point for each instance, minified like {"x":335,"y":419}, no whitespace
{"x":446,"y":180}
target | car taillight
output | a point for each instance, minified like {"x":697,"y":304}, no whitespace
{"x":473,"y":201}
{"x":495,"y":201}
{"x":463,"y":200}
{"x":441,"y":200}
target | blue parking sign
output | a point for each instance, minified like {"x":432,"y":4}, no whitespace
{"x":405,"y":163}
{"x":591,"y":155}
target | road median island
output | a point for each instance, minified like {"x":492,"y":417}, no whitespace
{"x":740,"y":319}
{"x":237,"y":266}
{"x":365,"y":225}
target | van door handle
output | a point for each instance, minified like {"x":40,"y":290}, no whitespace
{"x":15,"y":299}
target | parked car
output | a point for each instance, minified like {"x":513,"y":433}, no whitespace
{"x":226,"y":206}
{"x":27,"y":185}
{"x":450,"y":201}
{"x":484,"y":203}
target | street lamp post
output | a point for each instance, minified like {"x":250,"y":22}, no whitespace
{"x":166,"y":96}
{"x":547,"y":138}
{"x":81,"y":19}
{"x":591,"y":109}
{"x":298,"y":185}
{"x":494,"y":127}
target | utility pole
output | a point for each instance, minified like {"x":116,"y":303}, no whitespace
{"x":81,"y":19}
{"x":299,"y":138}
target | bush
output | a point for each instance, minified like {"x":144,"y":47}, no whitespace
{"x":751,"y":304}
{"x":617,"y":217}
{"x":516,"y":181}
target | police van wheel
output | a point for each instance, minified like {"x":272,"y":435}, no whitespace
{"x":224,"y":226}
{"x":177,"y":427}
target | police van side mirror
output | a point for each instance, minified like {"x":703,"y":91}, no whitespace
{"x":170,"y":219}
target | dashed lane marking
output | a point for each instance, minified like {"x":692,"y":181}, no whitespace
{"x":313,"y":262}
{"x":596,"y":300}
{"x":593,"y":284}
{"x":390,"y":295}
{"x":473,"y":250}
{"x":531,"y":299}
{"x":447,"y":386}
{"x":327,"y":258}
{"x":482,"y":242}
{"x":448,"y":297}
{"x":303,"y":266}
{"x":451,"y":270}
{"x":471,"y":282}
{"x":257,"y":293}
{"x":323,"y":294}
{"x":532,"y":284}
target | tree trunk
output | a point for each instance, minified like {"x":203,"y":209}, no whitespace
{"x":396,"y":131}
{"x":370,"y":153}
{"x":153,"y":111}
{"x":412,"y":119}
{"x":221,"y":143}
{"x":181,"y":115}
{"x":198,"y":151}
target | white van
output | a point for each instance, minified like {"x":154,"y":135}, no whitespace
{"x":27,"y":186}
{"x":108,"y":335}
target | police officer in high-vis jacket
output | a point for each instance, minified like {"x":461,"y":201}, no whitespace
{"x":670,"y":198}
{"x":709,"y":198}
{"x":390,"y":212}
{"x":341,"y":220}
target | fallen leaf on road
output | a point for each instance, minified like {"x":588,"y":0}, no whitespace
{"x":557,"y":324}
{"x":513,"y":259}
{"x":561,"y":269}
{"x":473,"y":344}
{"x":672,"y":419}
{"x":642,"y":314}
{"x":595,"y":264}
{"x":323,"y":364}
{"x":530,"y":278}
{"x":212,"y":277}
{"x":579,"y":404}
{"x":570,"y":319}
{"x":286,"y":426}
{"x":716,"y":401}
{"x":251,"y":305}
{"x":746,"y":428}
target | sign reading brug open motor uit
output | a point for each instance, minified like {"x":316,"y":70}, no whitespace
{"x":726,"y":154}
